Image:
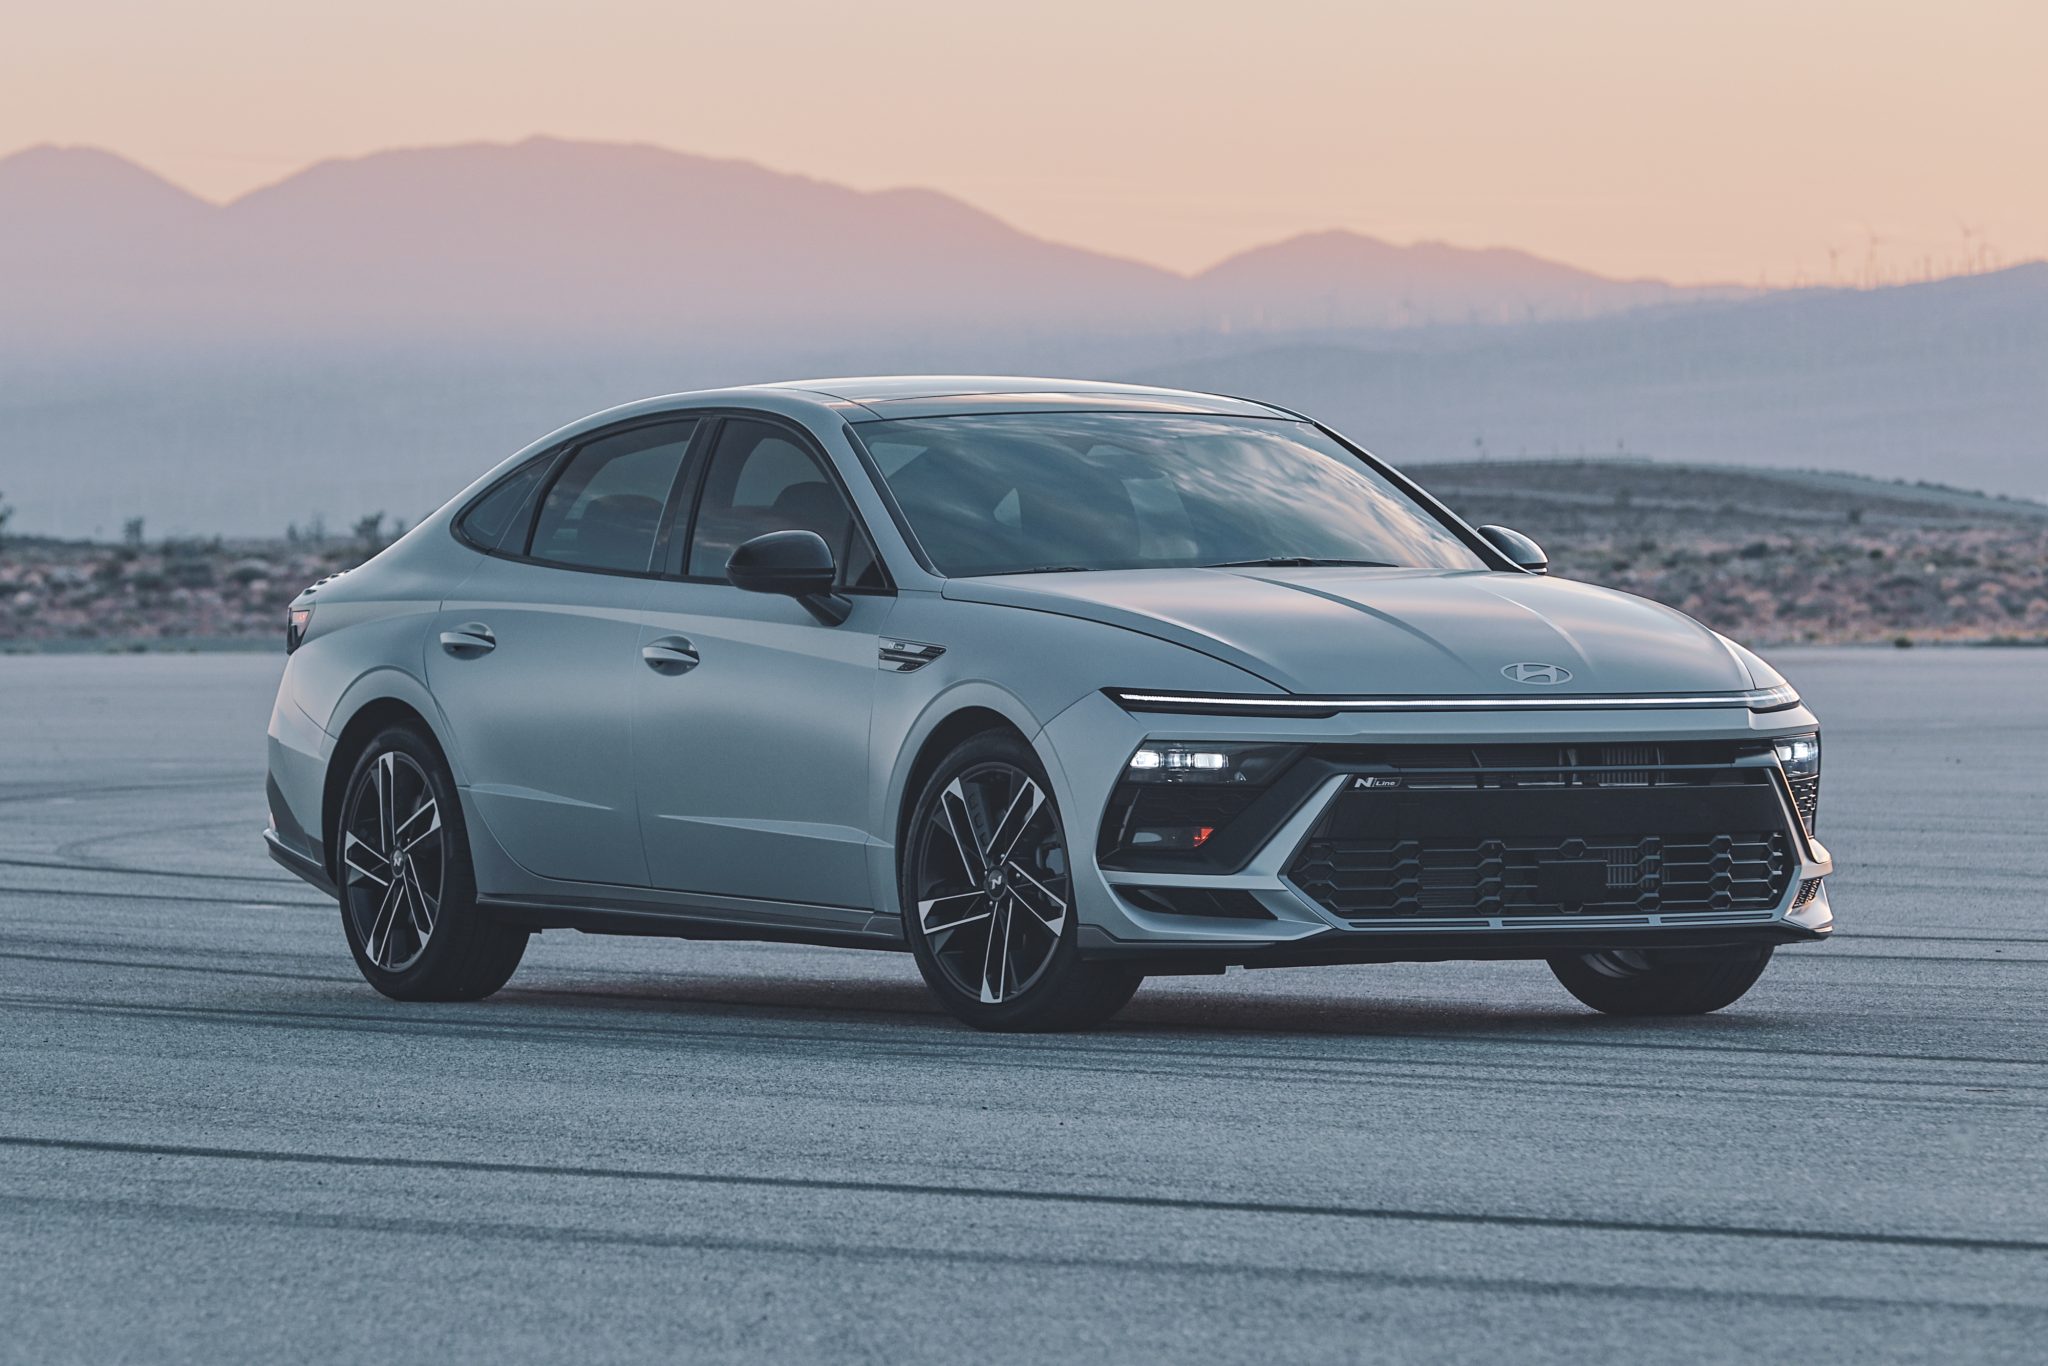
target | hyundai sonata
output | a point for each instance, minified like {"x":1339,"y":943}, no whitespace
{"x":1055,"y":685}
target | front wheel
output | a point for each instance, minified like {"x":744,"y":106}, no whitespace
{"x":988,"y":897}
{"x":408,"y":891}
{"x":1649,"y":982}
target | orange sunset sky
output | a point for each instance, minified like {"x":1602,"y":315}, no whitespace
{"x":1783,"y":140}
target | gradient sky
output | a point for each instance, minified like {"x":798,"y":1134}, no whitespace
{"x":1786,"y":140}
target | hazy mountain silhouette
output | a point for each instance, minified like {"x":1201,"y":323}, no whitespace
{"x":1342,"y":279}
{"x":1946,"y":381}
{"x":369,"y":334}
{"x":599,"y":238}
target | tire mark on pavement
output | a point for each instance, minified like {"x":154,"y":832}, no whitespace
{"x":1105,"y":1199}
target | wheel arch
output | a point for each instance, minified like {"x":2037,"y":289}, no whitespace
{"x":372,"y":715}
{"x":956,"y":725}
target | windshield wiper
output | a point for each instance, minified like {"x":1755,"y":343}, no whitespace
{"x":1296,"y":562}
{"x":1049,"y":569}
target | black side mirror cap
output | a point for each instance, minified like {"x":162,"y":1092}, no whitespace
{"x":1525,"y":553}
{"x":795,"y":564}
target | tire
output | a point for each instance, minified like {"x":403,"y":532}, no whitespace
{"x":1649,"y":982}
{"x":987,"y":895}
{"x":412,"y":922}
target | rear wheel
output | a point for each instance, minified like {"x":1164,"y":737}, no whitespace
{"x":988,"y":896}
{"x":408,"y":891}
{"x":1650,"y":982}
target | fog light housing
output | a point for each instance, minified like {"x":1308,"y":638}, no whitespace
{"x":1175,"y":800}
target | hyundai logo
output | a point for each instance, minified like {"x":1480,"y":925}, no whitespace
{"x":1541,"y":674}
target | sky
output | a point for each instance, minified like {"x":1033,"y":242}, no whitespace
{"x":1774,"y":141}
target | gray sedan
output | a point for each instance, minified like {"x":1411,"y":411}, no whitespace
{"x":1055,"y":685}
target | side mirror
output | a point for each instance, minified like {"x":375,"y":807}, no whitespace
{"x":1524,"y":552}
{"x":795,"y":564}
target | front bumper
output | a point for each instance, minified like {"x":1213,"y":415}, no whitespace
{"x":1120,"y":907}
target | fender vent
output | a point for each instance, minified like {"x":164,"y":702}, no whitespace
{"x":908,"y":656}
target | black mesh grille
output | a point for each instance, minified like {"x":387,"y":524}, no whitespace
{"x":1549,"y":830}
{"x":1393,"y":879}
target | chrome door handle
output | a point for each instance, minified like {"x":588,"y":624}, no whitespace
{"x":670,"y":655}
{"x":471,"y":638}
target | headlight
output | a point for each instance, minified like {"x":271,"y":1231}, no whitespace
{"x":1173,"y":762}
{"x":1174,"y":797}
{"x":1799,"y":755}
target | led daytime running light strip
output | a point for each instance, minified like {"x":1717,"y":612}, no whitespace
{"x":1756,"y":699}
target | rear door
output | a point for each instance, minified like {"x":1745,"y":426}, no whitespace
{"x":752,"y":761}
{"x":534,"y":660}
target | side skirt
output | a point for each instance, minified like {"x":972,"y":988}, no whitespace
{"x":768,"y":923}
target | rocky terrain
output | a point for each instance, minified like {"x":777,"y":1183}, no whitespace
{"x":1778,"y":557}
{"x":1770,"y":557}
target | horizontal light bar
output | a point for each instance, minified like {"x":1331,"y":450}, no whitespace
{"x":1211,"y":704}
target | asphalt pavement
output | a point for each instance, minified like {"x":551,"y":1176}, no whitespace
{"x":217,"y":1144}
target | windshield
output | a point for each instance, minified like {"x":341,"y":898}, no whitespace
{"x":1016,"y":493}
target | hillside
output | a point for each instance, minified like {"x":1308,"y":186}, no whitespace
{"x":1777,"y":556}
{"x":1770,"y":557}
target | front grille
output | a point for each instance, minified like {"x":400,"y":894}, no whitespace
{"x":1548,"y":830}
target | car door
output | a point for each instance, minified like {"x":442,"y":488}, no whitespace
{"x":752,"y":744}
{"x":535,"y":657}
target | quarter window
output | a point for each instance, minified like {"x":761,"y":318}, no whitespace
{"x":498,"y":520}
{"x":605,"y":508}
{"x":760,"y":481}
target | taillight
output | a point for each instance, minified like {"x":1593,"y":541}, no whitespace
{"x":295,"y":623}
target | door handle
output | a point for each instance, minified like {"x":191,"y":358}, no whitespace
{"x":670,"y":655}
{"x":471,"y":638}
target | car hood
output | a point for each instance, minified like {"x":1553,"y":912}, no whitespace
{"x":1391,"y":631}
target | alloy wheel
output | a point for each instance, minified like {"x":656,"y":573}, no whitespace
{"x":393,"y":861}
{"x":992,"y":882}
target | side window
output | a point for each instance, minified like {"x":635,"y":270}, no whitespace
{"x":760,"y":481}
{"x":604,"y":510}
{"x":498,"y":520}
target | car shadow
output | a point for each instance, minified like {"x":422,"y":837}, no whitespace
{"x":1157,"y":1014}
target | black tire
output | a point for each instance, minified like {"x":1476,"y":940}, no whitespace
{"x":1028,"y":960}
{"x":412,"y":921}
{"x":1650,"y":982}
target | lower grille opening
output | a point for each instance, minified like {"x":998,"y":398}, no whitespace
{"x":1216,"y":904}
{"x":1602,"y":875}
{"x":1632,"y":832}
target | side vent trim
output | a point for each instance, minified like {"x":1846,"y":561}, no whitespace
{"x":907,"y":656}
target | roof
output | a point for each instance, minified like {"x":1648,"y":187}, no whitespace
{"x":887,"y":396}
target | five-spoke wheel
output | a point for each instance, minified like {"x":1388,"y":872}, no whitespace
{"x":989,"y":889}
{"x":393,"y":860}
{"x":408,"y":891}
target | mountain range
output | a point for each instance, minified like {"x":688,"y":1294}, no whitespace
{"x":592,"y":239}
{"x":369,"y":333}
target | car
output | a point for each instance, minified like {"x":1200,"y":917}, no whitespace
{"x":1055,"y":685}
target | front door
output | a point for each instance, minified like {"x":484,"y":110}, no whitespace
{"x":752,"y":760}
